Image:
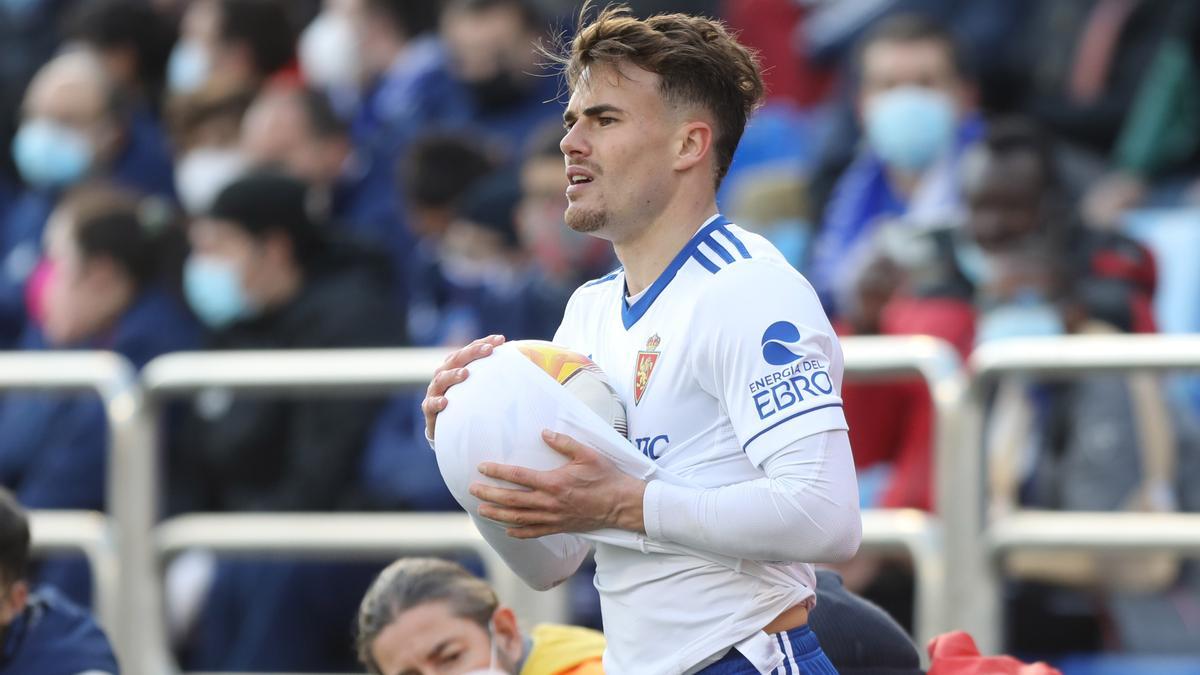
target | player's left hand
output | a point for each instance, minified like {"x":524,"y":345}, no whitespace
{"x":587,"y":493}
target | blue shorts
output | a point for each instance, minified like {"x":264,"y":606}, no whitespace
{"x":802,"y":656}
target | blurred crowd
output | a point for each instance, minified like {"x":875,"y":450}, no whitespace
{"x":287,"y":174}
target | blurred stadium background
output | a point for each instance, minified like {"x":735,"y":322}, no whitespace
{"x":998,"y":201}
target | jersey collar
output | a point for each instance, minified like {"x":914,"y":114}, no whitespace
{"x":631,"y":313}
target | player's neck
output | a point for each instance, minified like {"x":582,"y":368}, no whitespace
{"x":647,"y":255}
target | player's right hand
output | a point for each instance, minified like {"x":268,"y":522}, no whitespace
{"x":452,"y":371}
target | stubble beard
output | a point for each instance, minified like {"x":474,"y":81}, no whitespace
{"x":586,"y":221}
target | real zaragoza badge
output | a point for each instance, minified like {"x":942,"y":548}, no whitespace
{"x":645,"y":366}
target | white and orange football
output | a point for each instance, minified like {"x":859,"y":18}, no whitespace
{"x":579,"y":376}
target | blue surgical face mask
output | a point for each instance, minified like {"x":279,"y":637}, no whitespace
{"x":188,"y":68}
{"x":213,"y":289}
{"x":1028,"y":318}
{"x":49,"y":154}
{"x":909,"y":127}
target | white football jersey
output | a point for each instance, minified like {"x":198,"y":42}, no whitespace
{"x":724,"y":360}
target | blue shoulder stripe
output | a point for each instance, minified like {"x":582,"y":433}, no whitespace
{"x":736,"y":242}
{"x":705,"y":262}
{"x":718,"y":249}
{"x":607,"y":277}
{"x":631,"y":314}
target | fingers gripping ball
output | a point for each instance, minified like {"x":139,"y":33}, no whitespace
{"x":498,"y":413}
{"x":582,"y":378}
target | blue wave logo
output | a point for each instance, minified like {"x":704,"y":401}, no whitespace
{"x":780,"y":343}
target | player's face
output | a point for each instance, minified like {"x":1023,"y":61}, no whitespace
{"x":430,"y":639}
{"x":618,"y":144}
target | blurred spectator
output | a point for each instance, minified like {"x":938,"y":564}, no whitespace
{"x":564,"y":257}
{"x":430,"y":615}
{"x":917,"y":106}
{"x":41,"y":631}
{"x":492,"y":46}
{"x":489,"y":287}
{"x":134,"y":42}
{"x":385,"y":71}
{"x":1078,"y":65}
{"x":206,"y":130}
{"x":297,"y":130}
{"x":494,"y":289}
{"x":393,"y":81}
{"x":1018,"y":204}
{"x":29,"y":31}
{"x":1105,"y":442}
{"x":435,"y":173}
{"x":266,"y":274}
{"x":109,"y":280}
{"x":1156,"y":155}
{"x":76,"y":126}
{"x":241,"y":43}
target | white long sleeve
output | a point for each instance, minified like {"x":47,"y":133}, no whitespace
{"x":541,"y":563}
{"x":804,"y":510}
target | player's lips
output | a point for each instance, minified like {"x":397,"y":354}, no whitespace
{"x":579,"y":178}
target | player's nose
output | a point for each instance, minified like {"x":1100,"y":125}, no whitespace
{"x":574,"y":144}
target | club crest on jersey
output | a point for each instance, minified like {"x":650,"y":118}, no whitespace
{"x":645,"y":366}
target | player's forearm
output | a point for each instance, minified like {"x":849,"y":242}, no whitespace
{"x":541,"y":563}
{"x":805,"y":510}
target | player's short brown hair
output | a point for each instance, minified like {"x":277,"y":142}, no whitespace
{"x":697,"y":60}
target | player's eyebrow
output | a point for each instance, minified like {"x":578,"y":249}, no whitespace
{"x":569,"y":117}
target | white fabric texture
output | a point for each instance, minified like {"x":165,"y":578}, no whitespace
{"x":731,"y":378}
{"x":809,"y":492}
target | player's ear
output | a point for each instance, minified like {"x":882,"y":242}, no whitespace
{"x":693,"y":143}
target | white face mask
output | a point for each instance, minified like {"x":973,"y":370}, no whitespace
{"x":202,"y":173}
{"x":493,"y":667}
{"x":329,"y":53}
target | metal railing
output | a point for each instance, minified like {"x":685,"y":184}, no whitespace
{"x":1043,"y":358}
{"x":954,"y":551}
{"x":120,"y":587}
{"x":90,"y":534}
{"x":326,"y":372}
{"x":923,"y":536}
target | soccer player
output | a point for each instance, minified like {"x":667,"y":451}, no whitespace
{"x":728,"y":367}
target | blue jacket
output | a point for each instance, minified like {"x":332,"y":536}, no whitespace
{"x":144,"y":165}
{"x":55,"y":637}
{"x":52,"y":446}
{"x":399,"y":470}
{"x":861,"y":200}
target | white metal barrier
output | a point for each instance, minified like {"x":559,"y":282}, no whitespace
{"x":1043,"y":358}
{"x":119,"y":586}
{"x":953,"y":552}
{"x":88,"y":533}
{"x":919,"y":534}
{"x":345,"y":372}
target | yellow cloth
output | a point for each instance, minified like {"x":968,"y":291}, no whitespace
{"x":565,"y":650}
